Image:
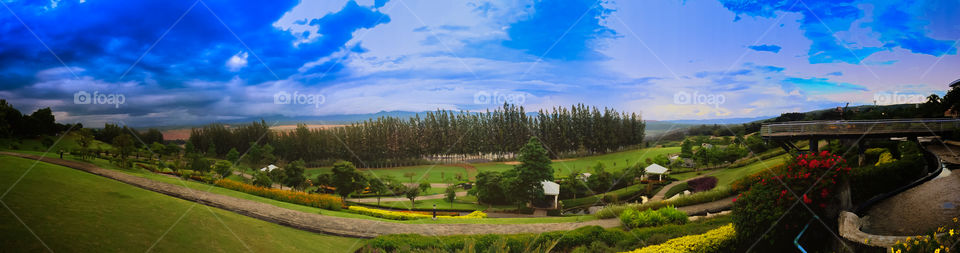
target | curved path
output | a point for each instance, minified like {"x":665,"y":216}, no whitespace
{"x":663,"y":191}
{"x":315,"y":222}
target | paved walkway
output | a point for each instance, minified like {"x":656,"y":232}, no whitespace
{"x":917,"y":210}
{"x":349,"y":227}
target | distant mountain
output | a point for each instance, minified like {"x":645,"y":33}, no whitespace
{"x":718,"y":121}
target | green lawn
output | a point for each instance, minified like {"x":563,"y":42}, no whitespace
{"x":70,"y":210}
{"x":725,"y":177}
{"x":68,"y":143}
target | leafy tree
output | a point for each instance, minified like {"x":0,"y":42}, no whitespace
{"x":262,"y":179}
{"x":172,"y":149}
{"x":294,"y":175}
{"x":412,"y":192}
{"x":124,"y":146}
{"x":157,"y":148}
{"x":686,"y":149}
{"x":223,"y":168}
{"x":451,"y":194}
{"x":212,"y":150}
{"x":378,"y":187}
{"x":346,"y":178}
{"x":199,"y":164}
{"x":533,"y":169}
{"x":233,"y":155}
{"x":188,"y":148}
{"x":601,"y":180}
{"x":488,"y":188}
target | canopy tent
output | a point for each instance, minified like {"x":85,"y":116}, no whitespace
{"x":269,"y":168}
{"x":657,"y":170}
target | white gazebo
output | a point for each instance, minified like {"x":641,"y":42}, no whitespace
{"x":269,"y":168}
{"x":551,"y":189}
{"x":656,"y":169}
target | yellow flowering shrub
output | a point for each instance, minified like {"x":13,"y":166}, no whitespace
{"x":395,"y":215}
{"x":712,"y":241}
{"x":939,"y":241}
{"x":325,"y":201}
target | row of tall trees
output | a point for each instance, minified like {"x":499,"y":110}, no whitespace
{"x":14,"y":124}
{"x":500,"y":133}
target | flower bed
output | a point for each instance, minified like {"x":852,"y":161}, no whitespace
{"x":399,"y":215}
{"x":940,"y":241}
{"x":324,"y":201}
{"x":711,"y":241}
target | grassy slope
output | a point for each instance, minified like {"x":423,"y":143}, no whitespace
{"x":75,"y":211}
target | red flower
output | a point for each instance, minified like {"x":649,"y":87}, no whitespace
{"x":824,"y":193}
{"x":823,"y":205}
{"x":806,"y":199}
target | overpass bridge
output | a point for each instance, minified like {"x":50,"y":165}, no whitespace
{"x":786,"y":133}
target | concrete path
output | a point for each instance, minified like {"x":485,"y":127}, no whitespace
{"x":394,"y":199}
{"x":918,"y":210}
{"x":349,"y":227}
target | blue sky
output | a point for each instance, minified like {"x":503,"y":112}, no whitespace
{"x":193,"y":62}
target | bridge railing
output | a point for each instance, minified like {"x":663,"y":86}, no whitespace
{"x":859,"y":126}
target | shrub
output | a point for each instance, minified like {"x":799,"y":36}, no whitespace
{"x":668,"y":215}
{"x":563,"y":241}
{"x":397,"y":215}
{"x":324,"y":201}
{"x":702,"y":183}
{"x":766,"y":200}
{"x":611,"y":211}
{"x":711,"y":241}
{"x":940,"y":241}
{"x":676,"y":189}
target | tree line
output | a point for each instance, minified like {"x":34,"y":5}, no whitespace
{"x":579,"y":130}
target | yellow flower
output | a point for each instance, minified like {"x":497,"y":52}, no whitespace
{"x":954,"y":219}
{"x":936,"y":251}
{"x":951,"y":232}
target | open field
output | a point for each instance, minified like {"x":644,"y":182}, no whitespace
{"x":70,"y":210}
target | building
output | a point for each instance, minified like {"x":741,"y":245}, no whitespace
{"x":656,"y":169}
{"x":552,"y":192}
{"x":269,"y":168}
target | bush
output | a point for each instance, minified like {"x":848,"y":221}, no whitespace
{"x":766,"y":200}
{"x":611,"y":211}
{"x":631,"y":218}
{"x":400,"y":215}
{"x":702,"y":183}
{"x":716,"y":240}
{"x":676,"y":189}
{"x":565,"y":241}
{"x":872,"y":180}
{"x":940,"y":241}
{"x":324,"y":201}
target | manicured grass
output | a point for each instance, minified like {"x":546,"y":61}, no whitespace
{"x":70,"y":210}
{"x":227,"y":192}
{"x":725,"y":177}
{"x":67,"y":143}
{"x":422,"y":173}
{"x":613,"y":161}
{"x":623,"y":194}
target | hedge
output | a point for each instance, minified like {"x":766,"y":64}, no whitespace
{"x":396,"y":215}
{"x":712,"y":241}
{"x":325,"y":201}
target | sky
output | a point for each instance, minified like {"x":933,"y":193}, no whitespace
{"x":155,"y":63}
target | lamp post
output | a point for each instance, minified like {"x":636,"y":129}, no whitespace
{"x":434,"y":211}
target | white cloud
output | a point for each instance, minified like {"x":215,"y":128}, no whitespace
{"x":237,"y":61}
